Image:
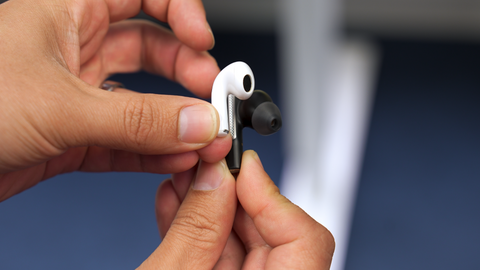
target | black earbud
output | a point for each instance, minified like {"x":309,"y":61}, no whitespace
{"x":257,"y":112}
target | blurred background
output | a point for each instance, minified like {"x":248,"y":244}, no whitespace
{"x":380,"y":141}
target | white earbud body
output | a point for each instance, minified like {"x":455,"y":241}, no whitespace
{"x":235,"y":79}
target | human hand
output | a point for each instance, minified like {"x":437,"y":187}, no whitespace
{"x":53,"y":117}
{"x":269,"y":231}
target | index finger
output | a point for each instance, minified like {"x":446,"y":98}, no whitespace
{"x":187,"y":18}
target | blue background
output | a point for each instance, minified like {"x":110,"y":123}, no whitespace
{"x":107,"y":220}
{"x":418,"y":201}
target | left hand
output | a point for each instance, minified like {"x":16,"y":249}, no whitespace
{"x":54,"y":119}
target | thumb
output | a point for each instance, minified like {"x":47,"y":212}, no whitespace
{"x":200,"y":230}
{"x":141,"y":123}
{"x":298,"y":241}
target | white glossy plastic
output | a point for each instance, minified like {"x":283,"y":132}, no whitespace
{"x":230,"y":81}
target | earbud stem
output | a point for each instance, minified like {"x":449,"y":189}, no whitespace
{"x":234,"y":157}
{"x":257,"y":112}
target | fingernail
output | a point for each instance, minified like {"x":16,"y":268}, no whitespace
{"x":197,"y":124}
{"x":257,"y":158}
{"x":209,"y":29}
{"x":210,"y":175}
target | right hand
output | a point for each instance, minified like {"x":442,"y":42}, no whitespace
{"x":196,"y":221}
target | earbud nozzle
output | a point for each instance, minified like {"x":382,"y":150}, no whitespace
{"x":266,"y":118}
{"x":247,"y":83}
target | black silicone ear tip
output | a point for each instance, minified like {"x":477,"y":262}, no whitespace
{"x":267,"y":119}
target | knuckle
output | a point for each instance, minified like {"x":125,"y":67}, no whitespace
{"x":329,"y":241}
{"x":321,"y":243}
{"x":140,"y":120}
{"x":315,"y":249}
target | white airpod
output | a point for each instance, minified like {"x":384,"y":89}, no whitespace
{"x":235,"y":79}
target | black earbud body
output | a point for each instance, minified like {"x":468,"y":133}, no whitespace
{"x":257,"y":112}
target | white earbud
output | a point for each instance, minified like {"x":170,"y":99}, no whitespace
{"x":235,"y":79}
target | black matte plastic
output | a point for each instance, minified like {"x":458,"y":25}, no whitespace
{"x":234,"y":157}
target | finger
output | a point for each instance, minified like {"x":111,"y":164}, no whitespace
{"x":257,"y":249}
{"x":170,"y":195}
{"x":118,"y":152}
{"x":17,"y":181}
{"x":233,"y":255}
{"x":140,"y":123}
{"x":99,"y":159}
{"x":166,"y":206}
{"x":217,"y":150}
{"x":214,"y":152}
{"x":181,"y":182}
{"x":200,"y":230}
{"x":186,"y":18}
{"x":299,"y":242}
{"x":133,"y":45}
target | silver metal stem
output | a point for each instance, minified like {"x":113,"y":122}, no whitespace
{"x":232,"y":116}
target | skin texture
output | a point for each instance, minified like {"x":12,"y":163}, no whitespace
{"x":269,"y":232}
{"x":54,"y":119}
